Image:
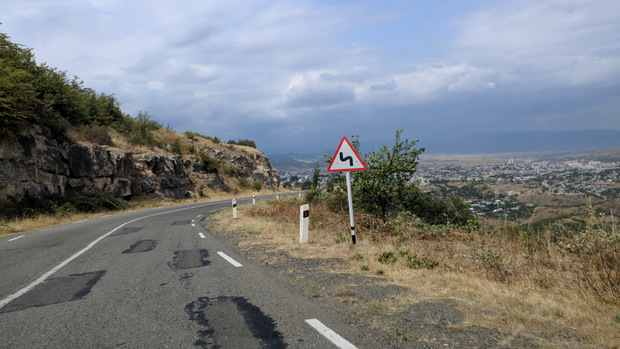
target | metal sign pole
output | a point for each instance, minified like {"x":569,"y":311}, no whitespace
{"x":350,"y":206}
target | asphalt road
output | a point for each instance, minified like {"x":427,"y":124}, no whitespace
{"x":153,"y":279}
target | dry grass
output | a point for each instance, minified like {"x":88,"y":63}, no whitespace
{"x":532,"y":289}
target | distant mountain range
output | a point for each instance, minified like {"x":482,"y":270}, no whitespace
{"x":557,"y":142}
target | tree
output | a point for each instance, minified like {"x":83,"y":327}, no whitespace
{"x":379,"y":189}
{"x":315,"y":177}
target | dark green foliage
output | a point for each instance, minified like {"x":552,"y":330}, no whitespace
{"x":208,"y":164}
{"x":141,"y":129}
{"x":246,"y":142}
{"x":175,"y":147}
{"x":38,"y":94}
{"x":416,"y":262}
{"x":387,"y":258}
{"x":378,"y":189}
{"x":243,"y":183}
{"x":315,"y":176}
{"x":257,"y":185}
{"x":231,"y":170}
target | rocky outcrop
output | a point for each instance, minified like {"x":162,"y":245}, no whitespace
{"x":37,"y":166}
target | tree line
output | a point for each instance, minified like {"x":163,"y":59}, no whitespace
{"x":32,"y":93}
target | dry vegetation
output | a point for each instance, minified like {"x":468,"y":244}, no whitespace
{"x":561,"y":292}
{"x":19,"y":225}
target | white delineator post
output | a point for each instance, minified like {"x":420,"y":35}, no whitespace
{"x":348,"y":175}
{"x":304,"y":217}
{"x":253,"y":199}
{"x":278,"y":196}
{"x":234,"y":206}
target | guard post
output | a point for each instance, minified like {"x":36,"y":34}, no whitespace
{"x":304,"y":217}
{"x":234,"y":207}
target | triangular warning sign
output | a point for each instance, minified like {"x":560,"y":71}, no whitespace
{"x":346,"y":158}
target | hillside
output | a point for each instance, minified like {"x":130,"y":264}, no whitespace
{"x":59,"y":137}
{"x":38,"y":166}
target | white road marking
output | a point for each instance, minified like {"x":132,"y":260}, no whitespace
{"x":202,"y":236}
{"x":193,"y":220}
{"x":230,"y":260}
{"x":193,"y":225}
{"x":83,"y":220}
{"x":43,"y":277}
{"x":331,"y":335}
{"x":198,"y":216}
{"x":19,"y":237}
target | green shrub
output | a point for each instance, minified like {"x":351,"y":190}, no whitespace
{"x":243,"y":183}
{"x":257,"y":186}
{"x":207,"y":163}
{"x":231,"y":170}
{"x":175,"y":147}
{"x":387,"y":258}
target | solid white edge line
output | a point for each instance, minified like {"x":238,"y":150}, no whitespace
{"x":43,"y":277}
{"x":83,"y":220}
{"x":331,"y":335}
{"x":19,"y":237}
{"x":202,"y":236}
{"x":229,"y":260}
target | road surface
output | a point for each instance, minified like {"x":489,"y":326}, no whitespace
{"x":153,"y":279}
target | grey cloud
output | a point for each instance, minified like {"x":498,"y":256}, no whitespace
{"x":388,"y":85}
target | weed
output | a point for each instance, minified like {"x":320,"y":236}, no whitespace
{"x":342,"y":238}
{"x":492,"y":261}
{"x":364,"y":268}
{"x":387,"y":258}
{"x":380,"y":272}
{"x":421,"y":262}
{"x":357,"y":257}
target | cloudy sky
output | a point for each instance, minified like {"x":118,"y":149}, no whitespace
{"x":296,"y":76}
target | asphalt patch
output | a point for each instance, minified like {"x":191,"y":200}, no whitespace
{"x":125,"y":231}
{"x":57,"y":290}
{"x":233,"y":322}
{"x":189,"y":259}
{"x":141,"y":246}
{"x":185,"y":222}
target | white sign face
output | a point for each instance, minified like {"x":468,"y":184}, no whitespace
{"x":346,"y":158}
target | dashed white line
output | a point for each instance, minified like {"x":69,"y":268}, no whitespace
{"x":83,"y":220}
{"x":193,"y":225}
{"x":19,"y":237}
{"x":331,"y":335}
{"x":230,"y":260}
{"x":202,"y":236}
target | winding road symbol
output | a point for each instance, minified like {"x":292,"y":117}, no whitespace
{"x":343,"y":158}
{"x":346,"y":158}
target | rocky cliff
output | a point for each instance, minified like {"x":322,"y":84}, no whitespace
{"x":38,"y":166}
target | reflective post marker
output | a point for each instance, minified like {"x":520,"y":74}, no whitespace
{"x":350,"y":206}
{"x":304,"y":217}
{"x":234,"y":206}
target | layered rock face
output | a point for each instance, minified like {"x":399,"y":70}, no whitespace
{"x":37,"y":166}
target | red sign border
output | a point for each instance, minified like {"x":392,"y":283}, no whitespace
{"x":354,"y":152}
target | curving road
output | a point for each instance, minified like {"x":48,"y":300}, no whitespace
{"x":153,"y":279}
